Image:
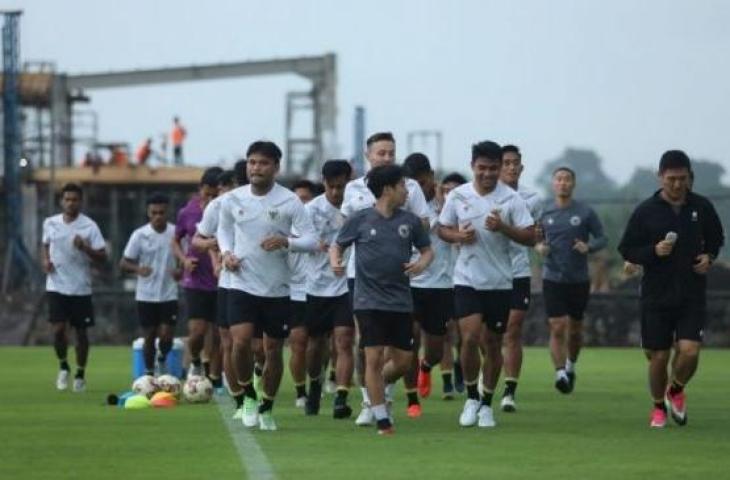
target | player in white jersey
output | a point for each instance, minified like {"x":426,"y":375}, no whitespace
{"x":306,"y":191}
{"x":149,"y":256}
{"x":255,"y":234}
{"x":433,"y":293}
{"x":483,"y":217}
{"x":328,"y":303}
{"x":71,"y":242}
{"x":512,"y":168}
{"x":379,"y":151}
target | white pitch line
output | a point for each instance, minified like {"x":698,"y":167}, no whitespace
{"x":252,"y":457}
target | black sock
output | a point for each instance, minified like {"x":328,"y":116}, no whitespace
{"x":249,"y":391}
{"x":447,"y":378}
{"x":314,"y":383}
{"x":412,"y":398}
{"x":487,"y":398}
{"x":267,"y":404}
{"x":675,"y":388}
{"x":425,"y":367}
{"x":301,"y":390}
{"x":217,"y":382}
{"x":161,"y":358}
{"x":64,"y":365}
{"x":80,"y":372}
{"x":472,"y":391}
{"x":333,"y":378}
{"x":384,"y":423}
{"x":341,"y":396}
{"x":195,"y":362}
{"x":257,"y":370}
{"x":149,"y":372}
{"x":206,"y":368}
{"x":660,"y":405}
{"x":239,"y":400}
{"x":510,"y":388}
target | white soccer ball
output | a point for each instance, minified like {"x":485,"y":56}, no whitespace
{"x":197,"y":389}
{"x":145,"y":385}
{"x":170,"y":384}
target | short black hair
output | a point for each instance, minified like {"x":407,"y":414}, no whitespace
{"x":210,"y":176}
{"x":417,"y":164}
{"x":225,"y":179}
{"x":72,"y":188}
{"x":384,"y":176}
{"x":304,"y":183}
{"x":336,"y":168}
{"x":239,"y":170}
{"x":513,"y":149}
{"x":486,"y":149}
{"x":674,"y":159}
{"x":563,"y":168}
{"x":379,"y":137}
{"x":266,"y":148}
{"x":454,"y":178}
{"x":157,"y":198}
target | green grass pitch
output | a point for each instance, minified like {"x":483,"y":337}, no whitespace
{"x":600,"y":431}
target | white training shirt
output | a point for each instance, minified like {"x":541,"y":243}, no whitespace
{"x":298,"y":268}
{"x":359,"y":197}
{"x":327,"y":221}
{"x":153,"y":249}
{"x":521,"y":253}
{"x":246,"y":220}
{"x":485,"y":264}
{"x":440,"y":272}
{"x":208,"y":227}
{"x":72,"y":267}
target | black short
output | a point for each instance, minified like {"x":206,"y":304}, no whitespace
{"x":432,"y":308}
{"x":563,"y":299}
{"x":221,"y":309}
{"x":492,"y":305}
{"x":326,"y":313}
{"x":379,"y":328}
{"x":351,"y":292}
{"x":298,"y":314}
{"x":201,"y":304}
{"x":520,"y":294}
{"x":660,"y":328}
{"x":154,"y":314}
{"x":270,"y":315}
{"x":76,"y":310}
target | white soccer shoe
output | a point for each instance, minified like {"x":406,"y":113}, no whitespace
{"x":366,"y":417}
{"x":300,"y":402}
{"x":79,"y":385}
{"x":330,"y":387}
{"x":62,"y":380}
{"x":468,"y":417}
{"x":508,"y":404}
{"x":486,"y":417}
{"x":250,"y":416}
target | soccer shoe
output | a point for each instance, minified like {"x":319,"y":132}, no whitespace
{"x":562,"y":384}
{"x":266,"y":421}
{"x":571,"y":380}
{"x":313,"y":399}
{"x":468,"y":417}
{"x":424,"y":383}
{"x":508,"y":404}
{"x":658,"y":418}
{"x":300,"y":402}
{"x":341,"y":410}
{"x":448,"y":391}
{"x":79,"y":385}
{"x":414,"y":411}
{"x":62,"y":380}
{"x":330,"y":387}
{"x":366,"y":416}
{"x":486,"y":417}
{"x":676,"y":407}
{"x":238,"y":414}
{"x":385,"y":428}
{"x":250,"y":417}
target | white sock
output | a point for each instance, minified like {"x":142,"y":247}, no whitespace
{"x":365,"y":396}
{"x":380,"y":412}
{"x":569,"y":366}
{"x":561,"y":375}
{"x":389,"y":392}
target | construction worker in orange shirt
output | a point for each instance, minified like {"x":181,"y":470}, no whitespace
{"x":177,"y":136}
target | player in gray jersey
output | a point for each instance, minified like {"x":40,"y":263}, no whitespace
{"x":571,"y":231}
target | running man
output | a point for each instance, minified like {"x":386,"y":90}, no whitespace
{"x":483,"y":217}
{"x":255,"y":234}
{"x":149,"y":256}
{"x":512,"y":168}
{"x":384,"y":236}
{"x":71,"y":242}
{"x":675,"y":235}
{"x":567,"y":227}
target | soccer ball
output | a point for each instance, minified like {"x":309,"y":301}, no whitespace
{"x":145,"y":385}
{"x":170,"y":384}
{"x":197,"y":389}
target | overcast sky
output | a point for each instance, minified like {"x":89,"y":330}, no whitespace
{"x":627,"y":78}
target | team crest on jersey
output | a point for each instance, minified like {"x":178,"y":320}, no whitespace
{"x":273,"y":214}
{"x":575,"y":220}
{"x":404,"y":230}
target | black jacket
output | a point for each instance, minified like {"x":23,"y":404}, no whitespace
{"x":670,"y":281}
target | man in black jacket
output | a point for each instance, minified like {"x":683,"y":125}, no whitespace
{"x":675,"y":235}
